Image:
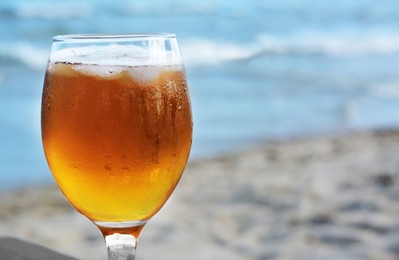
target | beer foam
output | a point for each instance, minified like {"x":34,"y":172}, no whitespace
{"x":115,"y":55}
{"x":107,"y":72}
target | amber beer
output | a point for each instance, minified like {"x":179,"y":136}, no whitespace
{"x":116,"y":138}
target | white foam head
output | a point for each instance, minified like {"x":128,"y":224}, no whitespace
{"x":116,"y":55}
{"x":103,"y":71}
{"x":140,"y":73}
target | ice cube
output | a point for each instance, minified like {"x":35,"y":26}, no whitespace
{"x":145,"y":73}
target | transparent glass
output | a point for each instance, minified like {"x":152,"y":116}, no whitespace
{"x":116,"y":128}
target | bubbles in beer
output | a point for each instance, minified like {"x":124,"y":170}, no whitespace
{"x":105,"y":72}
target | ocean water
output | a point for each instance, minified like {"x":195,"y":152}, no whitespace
{"x":257,"y":70}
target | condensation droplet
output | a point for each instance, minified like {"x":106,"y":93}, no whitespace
{"x":154,"y":175}
{"x":126,"y":169}
{"x":108,"y":167}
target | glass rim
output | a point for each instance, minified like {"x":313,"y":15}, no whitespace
{"x":109,"y":37}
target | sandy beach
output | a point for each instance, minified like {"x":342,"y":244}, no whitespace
{"x":326,"y":197}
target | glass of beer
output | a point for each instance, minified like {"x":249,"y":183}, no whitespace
{"x":116,"y":128}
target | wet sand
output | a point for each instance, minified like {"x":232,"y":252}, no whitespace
{"x":327,"y":197}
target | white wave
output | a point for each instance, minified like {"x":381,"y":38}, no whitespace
{"x":387,"y":90}
{"x":53,"y":10}
{"x":371,"y":112}
{"x":26,"y":54}
{"x":171,"y":7}
{"x":336,"y":45}
{"x":378,"y":108}
{"x":204,"y":51}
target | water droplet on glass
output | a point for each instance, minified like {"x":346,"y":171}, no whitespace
{"x":108,"y":167}
{"x":126,"y":169}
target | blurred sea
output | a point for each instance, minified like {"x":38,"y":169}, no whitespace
{"x":257,"y":70}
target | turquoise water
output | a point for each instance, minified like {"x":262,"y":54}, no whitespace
{"x":257,"y":70}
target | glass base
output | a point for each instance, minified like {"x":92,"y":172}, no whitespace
{"x":121,"y":247}
{"x":121,"y":238}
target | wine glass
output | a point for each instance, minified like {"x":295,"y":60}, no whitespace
{"x":116,"y":128}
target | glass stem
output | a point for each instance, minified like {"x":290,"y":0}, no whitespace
{"x":121,"y":246}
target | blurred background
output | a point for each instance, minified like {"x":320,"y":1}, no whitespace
{"x":258,"y":70}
